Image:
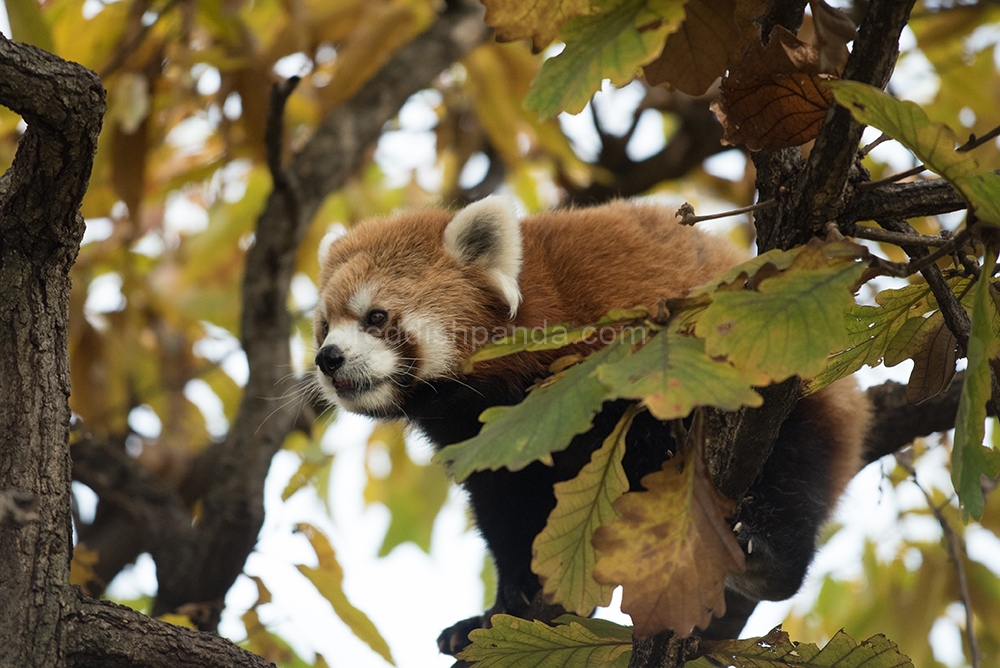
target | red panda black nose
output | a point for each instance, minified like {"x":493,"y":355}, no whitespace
{"x":329,"y":359}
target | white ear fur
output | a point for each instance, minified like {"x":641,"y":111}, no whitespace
{"x":487,"y":234}
{"x":336,"y":232}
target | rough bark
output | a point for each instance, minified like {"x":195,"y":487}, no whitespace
{"x":40,"y":232}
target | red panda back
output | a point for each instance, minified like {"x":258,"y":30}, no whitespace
{"x":581,"y":263}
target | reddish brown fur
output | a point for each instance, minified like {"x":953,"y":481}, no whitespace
{"x":572,"y":270}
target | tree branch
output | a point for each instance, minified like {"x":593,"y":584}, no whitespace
{"x":143,"y":500}
{"x":233,"y":505}
{"x":698,"y":137}
{"x":101,"y":634}
{"x":40,"y":231}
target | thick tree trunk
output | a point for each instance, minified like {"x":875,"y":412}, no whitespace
{"x":40,"y":232}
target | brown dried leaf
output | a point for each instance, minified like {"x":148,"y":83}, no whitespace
{"x":671,"y":550}
{"x":773,"y":97}
{"x":834,"y":29}
{"x":933,"y":365}
{"x":539,"y":20}
{"x":712,"y":36}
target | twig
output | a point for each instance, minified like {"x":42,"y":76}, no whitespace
{"x":899,"y":238}
{"x":974,"y":142}
{"x":871,"y":185}
{"x":865,"y":150}
{"x":954,"y":551}
{"x":686,"y":212}
{"x":903,"y":270}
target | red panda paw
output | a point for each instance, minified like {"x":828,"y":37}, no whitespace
{"x":455,"y":638}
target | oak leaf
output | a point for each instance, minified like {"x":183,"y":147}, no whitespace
{"x":545,"y":422}
{"x":513,"y":642}
{"x":934,"y":359}
{"x":776,"y":650}
{"x":791,"y":323}
{"x":834,"y":29}
{"x":933,"y":143}
{"x":328,"y":578}
{"x":870,"y":330}
{"x":774,"y":97}
{"x":671,"y":549}
{"x":563,"y":556}
{"x":671,"y":374}
{"x":706,"y":44}
{"x":970,"y":459}
{"x":538,"y":20}
{"x":609,"y":45}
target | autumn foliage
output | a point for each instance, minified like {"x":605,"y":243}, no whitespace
{"x":858,"y":267}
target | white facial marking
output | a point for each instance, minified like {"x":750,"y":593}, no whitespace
{"x":364,"y":354}
{"x":361,"y":301}
{"x":369,"y":363}
{"x":436,"y":349}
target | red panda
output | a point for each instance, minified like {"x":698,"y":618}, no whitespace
{"x":405,"y":299}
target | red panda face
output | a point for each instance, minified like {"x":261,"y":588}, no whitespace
{"x":403,"y":299}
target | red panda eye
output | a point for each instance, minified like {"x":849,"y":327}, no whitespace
{"x":377,"y":317}
{"x":324,"y":329}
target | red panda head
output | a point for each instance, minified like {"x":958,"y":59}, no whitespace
{"x":404,"y":299}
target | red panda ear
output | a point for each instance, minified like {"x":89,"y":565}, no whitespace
{"x":336,"y":232}
{"x":487,"y":234}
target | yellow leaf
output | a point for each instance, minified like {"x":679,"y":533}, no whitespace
{"x":610,"y":45}
{"x":562,"y":554}
{"x":380,"y":31}
{"x":27,"y":23}
{"x":671,"y":550}
{"x":328,"y":579}
{"x":539,"y":21}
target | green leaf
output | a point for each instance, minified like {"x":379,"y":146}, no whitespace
{"x":871,"y":329}
{"x":28,"y":25}
{"x":562,"y":554}
{"x":545,"y":422}
{"x":738,"y":275}
{"x":552,"y":338}
{"x":599,"y":627}
{"x":610,"y":45}
{"x":969,"y":457}
{"x":328,"y":579}
{"x":791,"y":324}
{"x":517,"y":643}
{"x":671,"y":374}
{"x":933,"y":143}
{"x":776,"y":650}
